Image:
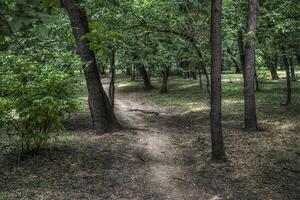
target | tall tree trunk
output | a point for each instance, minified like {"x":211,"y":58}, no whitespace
{"x":103,"y":117}
{"x":293,"y":74}
{"x":200,"y":78}
{"x":288,"y":80}
{"x":145,"y":77}
{"x":249,"y":68}
{"x":165,"y":75}
{"x":218,"y":152}
{"x":257,"y":86}
{"x":111,"y":90}
{"x":241,"y":50}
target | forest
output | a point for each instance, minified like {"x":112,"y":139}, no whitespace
{"x":149,"y":99}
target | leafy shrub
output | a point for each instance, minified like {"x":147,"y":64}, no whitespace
{"x":34,"y":98}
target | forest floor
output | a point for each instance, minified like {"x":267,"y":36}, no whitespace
{"x":166,"y":154}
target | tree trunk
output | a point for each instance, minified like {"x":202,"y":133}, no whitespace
{"x":298,"y":53}
{"x":103,"y":117}
{"x":145,"y":77}
{"x":293,"y":74}
{"x":111,"y":90}
{"x":133,"y":72}
{"x":273,"y":71}
{"x":193,"y":75}
{"x":165,"y":75}
{"x":272,"y":65}
{"x":218,"y":152}
{"x":241,"y":50}
{"x":249,"y":68}
{"x":257,"y":86}
{"x":102,"y":69}
{"x":128,"y":71}
{"x":288,"y":80}
{"x":200,"y":78}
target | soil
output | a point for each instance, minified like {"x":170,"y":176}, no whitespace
{"x":163,"y":155}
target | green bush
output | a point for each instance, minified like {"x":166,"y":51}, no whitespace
{"x":34,"y":98}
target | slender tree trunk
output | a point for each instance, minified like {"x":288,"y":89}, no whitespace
{"x":200,"y":78}
{"x":288,"y":80}
{"x":249,"y":69}
{"x":165,"y":76}
{"x":133,"y":72}
{"x":257,"y":86}
{"x":218,"y":152}
{"x":241,"y":50}
{"x":293,"y":74}
{"x":297,"y":52}
{"x":111,"y":90}
{"x":145,"y":77}
{"x":103,"y":117}
{"x":102,"y":69}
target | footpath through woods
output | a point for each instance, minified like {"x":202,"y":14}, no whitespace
{"x":161,"y":172}
{"x":165,"y":155}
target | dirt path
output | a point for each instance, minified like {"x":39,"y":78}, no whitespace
{"x":165,"y":177}
{"x":166,"y":157}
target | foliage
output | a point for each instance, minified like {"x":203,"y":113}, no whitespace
{"x":34,"y":99}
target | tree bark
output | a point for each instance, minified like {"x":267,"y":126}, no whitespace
{"x":103,"y":117}
{"x":111,"y":90}
{"x":165,"y":75}
{"x":273,"y":71}
{"x":288,"y":80}
{"x":200,"y":78}
{"x":218,"y":152}
{"x":241,"y":50}
{"x":193,"y":75}
{"x":249,"y":68}
{"x":145,"y":77}
{"x":272,"y":65}
{"x":257,"y":86}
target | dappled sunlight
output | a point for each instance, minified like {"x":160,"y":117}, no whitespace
{"x":232,"y":101}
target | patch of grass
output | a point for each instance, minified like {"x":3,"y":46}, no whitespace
{"x":186,"y":95}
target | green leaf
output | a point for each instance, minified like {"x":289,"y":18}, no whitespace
{"x":42,"y":31}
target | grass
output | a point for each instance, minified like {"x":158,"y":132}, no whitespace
{"x":186,"y":96}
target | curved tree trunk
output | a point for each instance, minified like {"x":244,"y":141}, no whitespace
{"x":103,"y":117}
{"x":218,"y":152}
{"x":249,"y":68}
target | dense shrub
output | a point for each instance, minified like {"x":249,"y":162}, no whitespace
{"x":34,"y":98}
